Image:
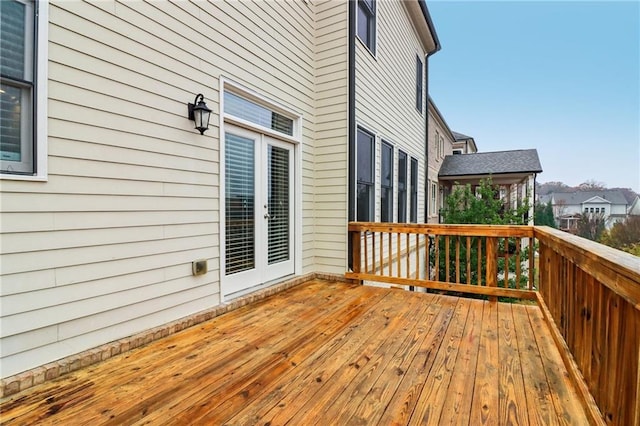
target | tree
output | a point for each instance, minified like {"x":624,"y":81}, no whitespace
{"x":592,"y":185}
{"x":543,"y":215}
{"x":482,"y":206}
{"x":624,"y":235}
{"x":591,"y":225}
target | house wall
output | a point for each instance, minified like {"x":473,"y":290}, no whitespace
{"x":437,"y":151}
{"x":331,"y":138}
{"x":103,"y":248}
{"x":386,"y":93}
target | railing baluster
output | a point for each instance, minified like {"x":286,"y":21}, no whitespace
{"x":492,"y":257}
{"x":468,"y":260}
{"x":457,"y":259}
{"x":373,"y":252}
{"x":532,"y":271}
{"x":399,"y":255}
{"x":506,"y":262}
{"x":518,"y":262}
{"x":479,"y":271}
{"x":447,"y":258}
{"x":381,"y":253}
{"x":366,"y":251}
{"x":436,"y":242}
{"x":390,"y":244}
{"x":408,"y":255}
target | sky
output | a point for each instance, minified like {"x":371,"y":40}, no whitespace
{"x":562,"y":77}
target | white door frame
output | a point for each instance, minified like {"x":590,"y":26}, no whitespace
{"x":227,"y":119}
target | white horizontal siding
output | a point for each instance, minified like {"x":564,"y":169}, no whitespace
{"x":103,"y":249}
{"x":331,"y":137}
{"x":386,"y":93}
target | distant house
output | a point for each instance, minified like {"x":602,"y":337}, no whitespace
{"x":514,"y":171}
{"x":634,"y":207}
{"x":568,"y":207}
{"x":440,"y":144}
{"x":464,"y":144}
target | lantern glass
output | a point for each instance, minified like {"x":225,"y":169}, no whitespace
{"x":200,"y":114}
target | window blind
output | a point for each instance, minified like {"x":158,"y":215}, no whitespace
{"x":239,"y":204}
{"x":278,"y":229}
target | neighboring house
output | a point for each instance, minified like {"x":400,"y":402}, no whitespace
{"x":109,"y":194}
{"x":464,"y":144}
{"x":568,"y":207}
{"x":440,"y":144}
{"x":513,"y":171}
{"x":634,"y":207}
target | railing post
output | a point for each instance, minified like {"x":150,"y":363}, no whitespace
{"x":492,"y":264}
{"x":356,"y":259}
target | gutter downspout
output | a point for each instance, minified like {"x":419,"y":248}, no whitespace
{"x":351,"y":126}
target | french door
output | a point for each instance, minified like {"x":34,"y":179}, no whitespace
{"x":258,"y":212}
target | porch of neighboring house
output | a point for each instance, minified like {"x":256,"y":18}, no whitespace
{"x":564,"y":349}
{"x":328,"y":352}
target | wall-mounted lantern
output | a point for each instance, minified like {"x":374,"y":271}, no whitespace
{"x":199,"y":113}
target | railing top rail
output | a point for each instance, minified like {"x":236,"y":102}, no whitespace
{"x":445,"y":229}
{"x":616,"y":269}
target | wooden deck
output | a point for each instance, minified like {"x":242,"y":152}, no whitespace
{"x":327,"y":353}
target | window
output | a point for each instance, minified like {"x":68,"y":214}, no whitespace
{"x":441,"y":147}
{"x":437,"y":144}
{"x":414,"y":191}
{"x":402,"y":187}
{"x":386,"y":181}
{"x":18,"y":90}
{"x":434,"y":198}
{"x":364,"y":176}
{"x":257,"y":114}
{"x":457,"y":151}
{"x":366,"y":23}
{"x":418,"y":84}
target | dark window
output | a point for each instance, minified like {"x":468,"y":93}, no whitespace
{"x":386,"y":183}
{"x":17,"y":91}
{"x":364,"y":174}
{"x":418,"y":84}
{"x":402,"y":187}
{"x":414,"y":191}
{"x":366,"y":22}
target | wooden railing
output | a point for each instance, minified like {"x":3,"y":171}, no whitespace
{"x":476,"y":259}
{"x":588,"y":293}
{"x":592,"y":294}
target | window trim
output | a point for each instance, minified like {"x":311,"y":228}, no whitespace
{"x":406,"y":188}
{"x":372,"y":184}
{"x":434,"y":198}
{"x":239,"y":89}
{"x":372,"y":15}
{"x":40,"y":132}
{"x":386,"y":145}
{"x":413,"y":206}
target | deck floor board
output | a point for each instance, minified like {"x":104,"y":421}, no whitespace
{"x":326,"y":353}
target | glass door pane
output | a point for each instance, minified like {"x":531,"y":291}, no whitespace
{"x":239,"y":204}
{"x":278,"y":204}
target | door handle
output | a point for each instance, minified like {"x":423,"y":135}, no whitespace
{"x":267,"y":216}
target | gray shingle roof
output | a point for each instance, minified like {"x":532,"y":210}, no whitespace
{"x":460,"y":136}
{"x":614,"y":196}
{"x":484,"y":163}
